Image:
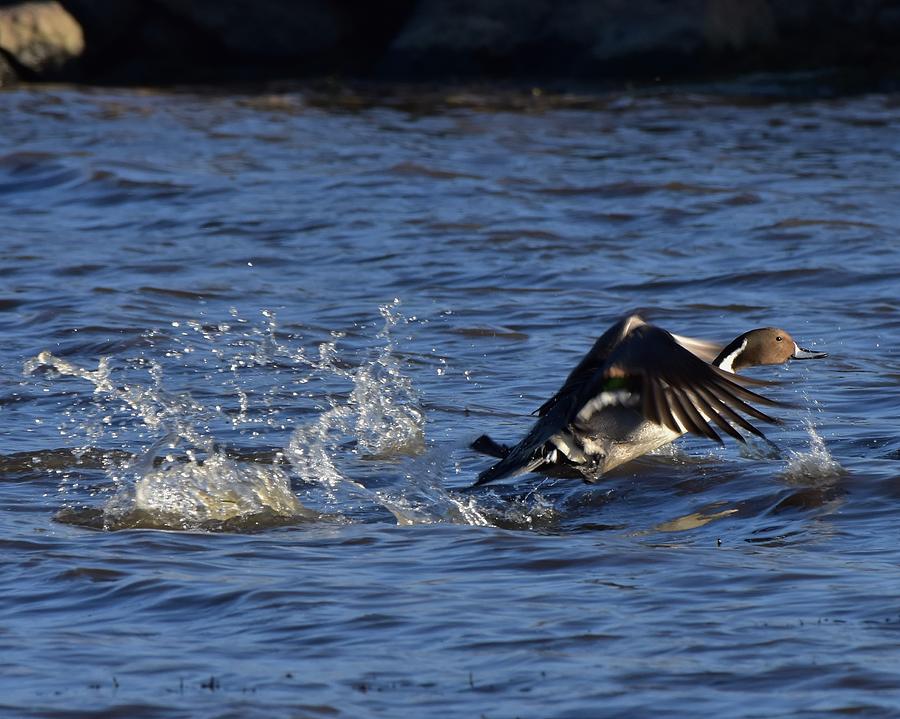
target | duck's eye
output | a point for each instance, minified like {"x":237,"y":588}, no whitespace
{"x":778,"y":338}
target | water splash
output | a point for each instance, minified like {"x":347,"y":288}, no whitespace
{"x":380,"y":420}
{"x":380,"y":417}
{"x":532,"y":511}
{"x":189,"y":491}
{"x":814,"y":464}
{"x":388,"y":418}
{"x":423,"y":499}
{"x":190,"y":495}
{"x":368,"y":418}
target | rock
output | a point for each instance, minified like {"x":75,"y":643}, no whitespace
{"x":7,"y":74}
{"x":616,"y":30}
{"x":265,"y":28}
{"x":466,"y":36}
{"x":626,"y":38}
{"x":39,"y":37}
{"x":106,"y":23}
{"x":582,"y":37}
{"x":737,"y":25}
{"x":232,"y":40}
{"x":163,"y":41}
{"x":142,"y":42}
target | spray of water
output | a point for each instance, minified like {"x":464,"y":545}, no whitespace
{"x":814,"y":464}
{"x":380,"y":419}
{"x":158,"y":487}
{"x":184,"y":479}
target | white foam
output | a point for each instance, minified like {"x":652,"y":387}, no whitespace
{"x":189,"y":495}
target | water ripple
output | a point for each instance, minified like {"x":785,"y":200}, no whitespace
{"x":262,"y":329}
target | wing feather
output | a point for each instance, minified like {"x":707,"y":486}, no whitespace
{"x":716,"y":415}
{"x":726,"y":394}
{"x":695,"y":424}
{"x":726,"y":412}
{"x":704,"y":349}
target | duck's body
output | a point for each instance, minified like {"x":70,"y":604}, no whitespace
{"x":613,"y":437}
{"x":639,"y":388}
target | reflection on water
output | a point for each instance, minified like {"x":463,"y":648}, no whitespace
{"x":274,"y":324}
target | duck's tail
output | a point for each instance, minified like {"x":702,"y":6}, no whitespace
{"x":514,"y":460}
{"x":505,"y":466}
{"x":485,"y":445}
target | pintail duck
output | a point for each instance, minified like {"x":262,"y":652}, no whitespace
{"x":638,"y":388}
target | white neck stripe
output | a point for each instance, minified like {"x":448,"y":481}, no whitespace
{"x":727,"y":363}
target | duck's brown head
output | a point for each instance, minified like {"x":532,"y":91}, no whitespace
{"x":766,"y":345}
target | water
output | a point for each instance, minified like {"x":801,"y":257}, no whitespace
{"x":248,"y":338}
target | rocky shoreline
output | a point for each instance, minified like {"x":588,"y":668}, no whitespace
{"x":135,"y":42}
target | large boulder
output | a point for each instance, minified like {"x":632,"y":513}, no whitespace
{"x":39,"y":38}
{"x":836,"y":32}
{"x":579,"y":36}
{"x":624,"y":38}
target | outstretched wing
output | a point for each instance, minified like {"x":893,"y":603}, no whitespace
{"x":646,"y":368}
{"x":557,"y":412}
{"x":677,"y":389}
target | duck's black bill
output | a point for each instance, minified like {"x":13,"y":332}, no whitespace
{"x":807,"y":354}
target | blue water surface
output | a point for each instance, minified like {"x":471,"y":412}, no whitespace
{"x":247,"y":339}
